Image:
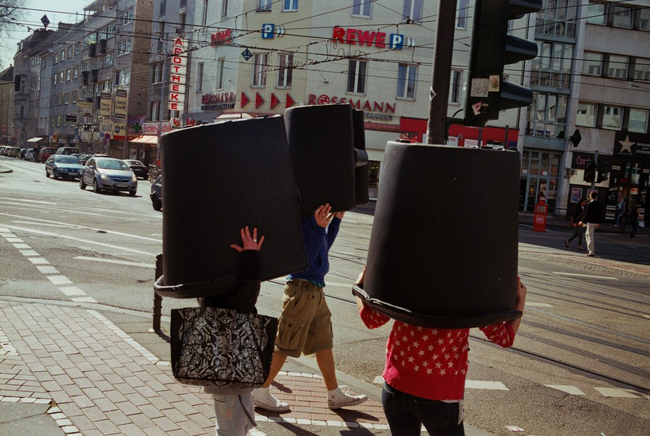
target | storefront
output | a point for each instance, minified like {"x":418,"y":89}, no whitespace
{"x":539,"y":177}
{"x":630,"y":172}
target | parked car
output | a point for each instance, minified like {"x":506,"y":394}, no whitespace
{"x":13,"y":152}
{"x":29,"y":155}
{"x":3,"y":149}
{"x":108,"y":174}
{"x":67,"y":150}
{"x":22,"y":152}
{"x":83,"y":158}
{"x":59,"y":165}
{"x":45,"y":153}
{"x":156,"y":194}
{"x":138,"y":168}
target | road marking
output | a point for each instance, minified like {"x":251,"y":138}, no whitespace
{"x":48,"y":270}
{"x":28,"y":201}
{"x":21,"y":246}
{"x":28,"y":253}
{"x":14,"y":240}
{"x":38,"y":261}
{"x":84,"y":300}
{"x":568,"y":389}
{"x":72,"y":291}
{"x":118,"y":262}
{"x":59,"y":280}
{"x":492,"y":385}
{"x":587,"y":276}
{"x":621,"y":393}
{"x":533,"y":304}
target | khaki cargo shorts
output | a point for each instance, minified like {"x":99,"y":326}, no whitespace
{"x":305,"y":325}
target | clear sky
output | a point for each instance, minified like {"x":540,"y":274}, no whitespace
{"x":56,"y":11}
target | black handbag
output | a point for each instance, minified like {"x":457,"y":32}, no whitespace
{"x":221,"y":347}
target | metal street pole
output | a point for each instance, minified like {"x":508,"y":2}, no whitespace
{"x":439,"y":95}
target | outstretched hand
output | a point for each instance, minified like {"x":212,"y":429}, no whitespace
{"x":324,"y":215}
{"x":250,"y":242}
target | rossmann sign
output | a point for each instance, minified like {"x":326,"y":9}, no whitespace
{"x":364,"y":105}
{"x":352,"y":36}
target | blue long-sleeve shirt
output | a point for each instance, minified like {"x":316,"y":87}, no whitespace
{"x":317,"y":241}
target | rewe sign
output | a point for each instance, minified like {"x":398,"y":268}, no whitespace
{"x":366,"y":37}
{"x":178,"y":75}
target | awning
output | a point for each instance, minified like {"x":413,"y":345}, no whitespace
{"x":145,"y":139}
{"x":36,"y":139}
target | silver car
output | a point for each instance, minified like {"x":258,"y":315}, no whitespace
{"x":108,"y":174}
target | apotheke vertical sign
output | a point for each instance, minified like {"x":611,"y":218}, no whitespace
{"x":178,"y":75}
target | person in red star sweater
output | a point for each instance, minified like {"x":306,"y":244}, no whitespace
{"x":426,"y":369}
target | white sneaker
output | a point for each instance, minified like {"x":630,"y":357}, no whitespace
{"x":264,"y":399}
{"x":337,"y":398}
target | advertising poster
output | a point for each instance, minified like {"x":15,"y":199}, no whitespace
{"x":121,"y":101}
{"x":105,"y":105}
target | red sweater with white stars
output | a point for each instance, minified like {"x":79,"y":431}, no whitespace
{"x":430,"y":363}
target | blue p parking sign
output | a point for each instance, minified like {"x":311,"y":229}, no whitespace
{"x":396,"y":41}
{"x":268,"y":29}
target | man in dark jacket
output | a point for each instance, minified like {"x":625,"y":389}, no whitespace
{"x":593,"y":218}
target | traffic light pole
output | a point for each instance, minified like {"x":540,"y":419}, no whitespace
{"x":443,"y":51}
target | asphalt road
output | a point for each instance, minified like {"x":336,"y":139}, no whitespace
{"x":580,"y":364}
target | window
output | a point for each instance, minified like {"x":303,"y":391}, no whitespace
{"x":592,"y":64}
{"x":204,"y":15}
{"x":59,"y":100}
{"x":362,"y":8}
{"x":61,"y":76}
{"x":199,"y":77}
{"x":638,"y":121}
{"x":66,"y":98}
{"x":62,"y":55}
{"x":260,"y":68}
{"x":412,"y":10}
{"x":75,"y":72}
{"x":406,"y":77}
{"x":123,"y":77}
{"x":224,"y":8}
{"x":644,"y":18}
{"x":357,"y":76}
{"x":68,"y":74}
{"x":155,"y":111}
{"x":456,"y":91}
{"x":285,"y":73}
{"x":58,"y":120}
{"x":547,"y":115}
{"x":73,"y":97}
{"x":220,"y":70}
{"x":163,"y":7}
{"x":77,"y":48}
{"x":461,"y":14}
{"x":553,"y":65}
{"x":56,"y":58}
{"x":157,"y":72}
{"x":264,"y":5}
{"x":53,"y":100}
{"x":55,"y":78}
{"x":126,"y":16}
{"x":161,"y":37}
{"x":587,"y":113}
{"x":124,"y":47}
{"x":108,"y":60}
{"x":642,"y":69}
{"x":290,"y":5}
{"x":617,"y":66}
{"x":596,"y":13}
{"x":612,"y":117}
{"x":69,"y":52}
{"x":622,"y":16}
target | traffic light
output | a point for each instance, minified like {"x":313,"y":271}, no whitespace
{"x":603,"y":171}
{"x":590,"y":172}
{"x":492,"y":48}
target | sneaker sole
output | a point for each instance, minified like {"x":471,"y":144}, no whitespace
{"x":351,"y":403}
{"x":271,"y":409}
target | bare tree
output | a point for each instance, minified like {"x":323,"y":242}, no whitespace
{"x":11,"y":12}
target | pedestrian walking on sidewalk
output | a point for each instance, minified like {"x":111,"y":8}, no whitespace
{"x":576,"y":223}
{"x":235,"y":414}
{"x":305,"y":323}
{"x":593,"y":218}
{"x":426,"y":368}
{"x":635,"y":218}
{"x":620,"y":211}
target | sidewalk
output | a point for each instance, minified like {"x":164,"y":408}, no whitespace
{"x":65,"y":368}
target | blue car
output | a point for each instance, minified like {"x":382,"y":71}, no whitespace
{"x":65,"y":167}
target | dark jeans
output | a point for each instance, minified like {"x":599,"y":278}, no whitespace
{"x":579,"y":233}
{"x":407,"y":413}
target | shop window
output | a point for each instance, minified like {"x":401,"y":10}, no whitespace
{"x":612,"y":117}
{"x":622,"y":16}
{"x":587,"y":113}
{"x":412,"y":10}
{"x":596,"y":14}
{"x":642,"y":69}
{"x":260,"y":68}
{"x":357,"y":76}
{"x":592,"y":64}
{"x":290,"y":5}
{"x":406,"y":78}
{"x":524,"y":162}
{"x":456,"y":91}
{"x":362,"y":8}
{"x":285,"y":72}
{"x":617,"y":66}
{"x":638,"y":121}
{"x":461,"y":14}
